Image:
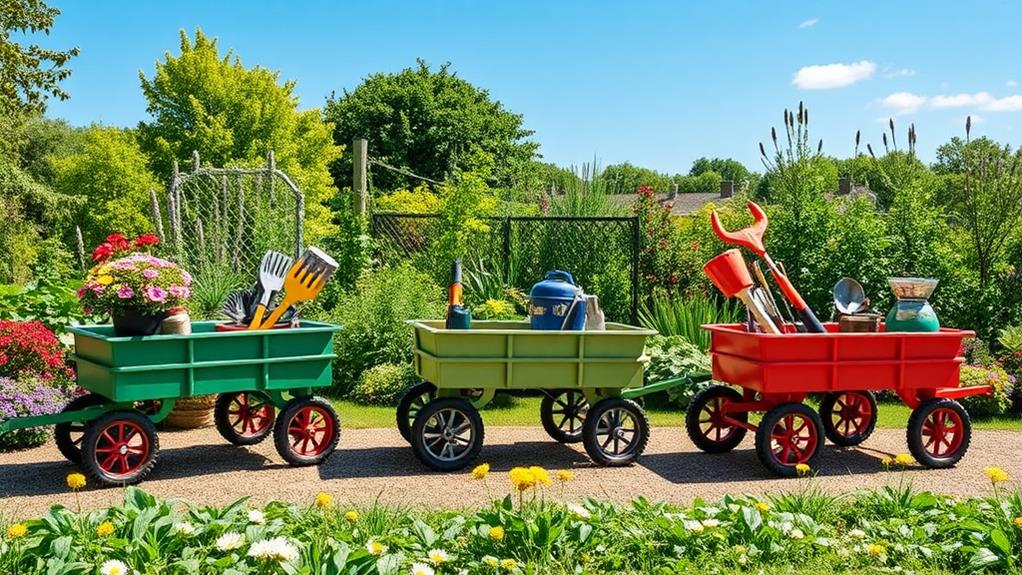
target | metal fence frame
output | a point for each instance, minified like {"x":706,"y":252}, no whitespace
{"x":380,"y":224}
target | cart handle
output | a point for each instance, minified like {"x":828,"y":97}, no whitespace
{"x":750,"y":237}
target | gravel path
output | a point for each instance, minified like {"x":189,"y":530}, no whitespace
{"x":376,"y":464}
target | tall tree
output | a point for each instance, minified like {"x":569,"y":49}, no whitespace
{"x":233,"y":115}
{"x":431,"y":123}
{"x":29,"y":73}
{"x":729,"y":169}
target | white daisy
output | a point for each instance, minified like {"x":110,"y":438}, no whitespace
{"x":491,"y":560}
{"x":376,"y":548}
{"x":277,"y":549}
{"x":578,"y":511}
{"x":438,"y":557}
{"x":796,"y":534}
{"x":114,"y":567}
{"x":711,"y":523}
{"x":421,"y":569}
{"x":857,"y":533}
{"x":256,"y":516}
{"x":184,"y":528}
{"x":230,"y":541}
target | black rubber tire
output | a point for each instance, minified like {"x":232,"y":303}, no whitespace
{"x":916,"y":443}
{"x":694,"y":415}
{"x":282,"y":431}
{"x":222,"y":417}
{"x":463,"y":412}
{"x":836,"y":436}
{"x":68,"y":436}
{"x":95,"y":438}
{"x":595,"y":426}
{"x":568,"y":406}
{"x":410,"y":404}
{"x":764,"y":448}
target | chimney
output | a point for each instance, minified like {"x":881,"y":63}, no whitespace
{"x":673,"y":193}
{"x":844,"y":186}
{"x":727,"y":188}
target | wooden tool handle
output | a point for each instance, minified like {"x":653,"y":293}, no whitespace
{"x":762,"y":319}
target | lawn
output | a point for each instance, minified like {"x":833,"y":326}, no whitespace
{"x":524,"y":411}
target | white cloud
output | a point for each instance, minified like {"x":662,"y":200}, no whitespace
{"x":900,"y":73}
{"x":903,"y":102}
{"x":1005,"y":104}
{"x":808,"y":23}
{"x":833,"y":75}
{"x":961,"y":100}
{"x":1011,"y":84}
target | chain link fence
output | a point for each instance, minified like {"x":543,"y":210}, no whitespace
{"x":602,"y":253}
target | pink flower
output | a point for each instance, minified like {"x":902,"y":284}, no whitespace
{"x":81,"y":292}
{"x":150,"y":273}
{"x":125,"y":292}
{"x":179,"y":292}
{"x":186,"y":278}
{"x":155,"y":294}
{"x":124,"y":265}
{"x":96,"y":288}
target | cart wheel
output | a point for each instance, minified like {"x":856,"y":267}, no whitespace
{"x":68,"y":436}
{"x":848,"y":417}
{"x":243,"y":418}
{"x":615,"y":432}
{"x":447,"y":434}
{"x":306,"y":431}
{"x":789,"y":434}
{"x":939,"y":431}
{"x":704,"y":420}
{"x":411,"y":402}
{"x":120,"y":448}
{"x":563,"y":412}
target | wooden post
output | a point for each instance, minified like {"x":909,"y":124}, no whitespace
{"x":360,"y":174}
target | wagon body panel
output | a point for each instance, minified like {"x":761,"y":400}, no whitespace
{"x":511,"y":355}
{"x":832,"y":361}
{"x":205,"y":362}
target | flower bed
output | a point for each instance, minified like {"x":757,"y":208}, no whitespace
{"x":532,"y":531}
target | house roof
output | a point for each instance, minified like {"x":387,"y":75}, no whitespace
{"x":681,"y":205}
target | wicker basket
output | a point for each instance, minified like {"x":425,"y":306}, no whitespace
{"x":192,"y":412}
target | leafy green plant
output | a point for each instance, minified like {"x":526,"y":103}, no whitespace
{"x":496,"y":309}
{"x":372,"y":317}
{"x":684,"y":316}
{"x":1010,"y":338}
{"x":383,"y":384}
{"x":998,"y":402}
{"x":673,"y":356}
{"x":210,"y":289}
{"x":482,"y":284}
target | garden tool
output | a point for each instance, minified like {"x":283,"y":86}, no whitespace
{"x":304,"y":281}
{"x":761,"y":278}
{"x":234,"y":307}
{"x":849,"y":297}
{"x":458,"y":317}
{"x":272,"y":272}
{"x":752,"y":238}
{"x":731,"y":276}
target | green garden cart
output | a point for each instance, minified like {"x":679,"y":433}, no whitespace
{"x":133,"y":383}
{"x":589,"y":379}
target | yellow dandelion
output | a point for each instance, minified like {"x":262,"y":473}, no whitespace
{"x":996,"y":474}
{"x":376,"y":548}
{"x":875,"y":549}
{"x":763,"y":506}
{"x":17,"y":530}
{"x":497,"y":533}
{"x":351,"y":516}
{"x":565,"y":476}
{"x":481,"y":471}
{"x":509,"y":564}
{"x":541,"y":475}
{"x":1017,"y":522}
{"x":904,"y":459}
{"x":887,"y":461}
{"x":324,"y":499}
{"x":75,"y":481}
{"x":522,"y":478}
{"x":105,"y":529}
{"x":803,"y":469}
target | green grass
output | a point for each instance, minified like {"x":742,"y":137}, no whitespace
{"x":524,"y":412}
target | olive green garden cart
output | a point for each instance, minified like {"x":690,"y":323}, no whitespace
{"x":589,"y":379}
{"x":133,"y":383}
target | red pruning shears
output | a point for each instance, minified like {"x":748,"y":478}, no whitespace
{"x":752,"y":238}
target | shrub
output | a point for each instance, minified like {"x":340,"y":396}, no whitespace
{"x":383,"y":384}
{"x":673,"y":356}
{"x":987,"y":405}
{"x":1011,"y":338}
{"x":28,"y":397}
{"x":420,"y":200}
{"x":977,"y":352}
{"x":29,"y":350}
{"x":1012,"y":363}
{"x":496,"y":309}
{"x":372,"y":318}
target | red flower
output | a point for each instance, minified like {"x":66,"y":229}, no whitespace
{"x":146,"y":240}
{"x":118,"y":242}
{"x":102,"y":252}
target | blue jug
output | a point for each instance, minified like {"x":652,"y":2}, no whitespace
{"x":557,"y":303}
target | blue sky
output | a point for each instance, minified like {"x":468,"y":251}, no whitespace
{"x":655,"y":83}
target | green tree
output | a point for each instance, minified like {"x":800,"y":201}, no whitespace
{"x":627,"y":178}
{"x":432,"y":123}
{"x":233,"y":115}
{"x":110,"y":173}
{"x":703,"y":183}
{"x":728,"y":168}
{"x":29,"y":74}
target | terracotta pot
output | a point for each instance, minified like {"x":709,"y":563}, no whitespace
{"x":192,"y":412}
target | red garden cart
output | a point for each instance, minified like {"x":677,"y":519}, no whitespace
{"x":777,"y":371}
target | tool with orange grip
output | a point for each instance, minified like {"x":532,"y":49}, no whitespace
{"x":752,"y":238}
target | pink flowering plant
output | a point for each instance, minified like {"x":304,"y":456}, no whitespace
{"x":137,"y":281}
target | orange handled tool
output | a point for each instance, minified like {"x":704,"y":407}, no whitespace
{"x":752,"y":238}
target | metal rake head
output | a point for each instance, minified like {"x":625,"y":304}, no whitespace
{"x":273,"y":270}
